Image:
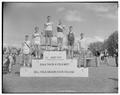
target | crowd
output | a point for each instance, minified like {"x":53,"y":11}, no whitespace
{"x":9,"y":58}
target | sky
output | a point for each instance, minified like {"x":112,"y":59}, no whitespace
{"x":96,"y":20}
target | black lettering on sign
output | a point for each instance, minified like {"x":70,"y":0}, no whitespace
{"x":48,"y":71}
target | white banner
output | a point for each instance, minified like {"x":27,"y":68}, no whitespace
{"x":54,"y":55}
{"x":54,"y":68}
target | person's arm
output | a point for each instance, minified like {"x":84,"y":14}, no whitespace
{"x":22,"y":48}
{"x":41,"y":33}
{"x":54,"y":32}
{"x":52,"y":24}
{"x":44,"y":27}
{"x":77,"y":46}
{"x":5,"y":61}
{"x":73,"y":37}
{"x":64,"y":29}
{"x":30,"y":47}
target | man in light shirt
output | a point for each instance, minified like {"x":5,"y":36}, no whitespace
{"x":48,"y":29}
{"x":26,"y":50}
{"x":81,"y":50}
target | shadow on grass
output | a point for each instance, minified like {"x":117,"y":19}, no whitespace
{"x":115,"y":89}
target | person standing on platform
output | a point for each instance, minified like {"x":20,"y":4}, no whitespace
{"x":48,"y":29}
{"x":26,"y":51}
{"x":60,"y":35}
{"x":71,"y":40}
{"x":37,"y":42}
{"x":81,"y":50}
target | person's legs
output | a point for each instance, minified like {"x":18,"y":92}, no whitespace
{"x":14,"y":59}
{"x":23,"y":58}
{"x":102,"y":60}
{"x":97,"y":61}
{"x":29,"y":60}
{"x":79,"y":59}
{"x":46,"y":40}
{"x":50,"y":41}
{"x":50,"y":37}
{"x":71,"y":51}
{"x":61,"y":43}
{"x":37,"y":51}
{"x":116,"y":61}
{"x":106,"y":61}
{"x":10,"y":65}
{"x":58,"y":43}
{"x":68,"y":51}
{"x":84,"y":59}
{"x":88,"y":62}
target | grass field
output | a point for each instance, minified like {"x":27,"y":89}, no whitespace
{"x":103,"y":79}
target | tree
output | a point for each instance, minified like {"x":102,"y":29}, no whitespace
{"x":96,"y":46}
{"x":112,"y":45}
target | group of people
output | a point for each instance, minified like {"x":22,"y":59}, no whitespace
{"x":33,"y":48}
{"x":9,"y":59}
{"x":35,"y":45}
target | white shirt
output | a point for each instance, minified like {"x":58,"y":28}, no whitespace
{"x":81,"y":44}
{"x":49,"y":26}
{"x":26,"y":47}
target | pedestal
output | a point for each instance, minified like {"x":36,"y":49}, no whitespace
{"x":54,"y":64}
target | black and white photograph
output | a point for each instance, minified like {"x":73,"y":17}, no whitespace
{"x":60,"y":47}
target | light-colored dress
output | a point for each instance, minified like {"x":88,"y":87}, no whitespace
{"x":37,"y":38}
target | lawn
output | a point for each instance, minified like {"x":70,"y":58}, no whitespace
{"x":103,"y":79}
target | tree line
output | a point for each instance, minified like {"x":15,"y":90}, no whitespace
{"x":110,"y":44}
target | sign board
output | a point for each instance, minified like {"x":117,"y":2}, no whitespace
{"x":54,"y":68}
{"x":50,"y":55}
